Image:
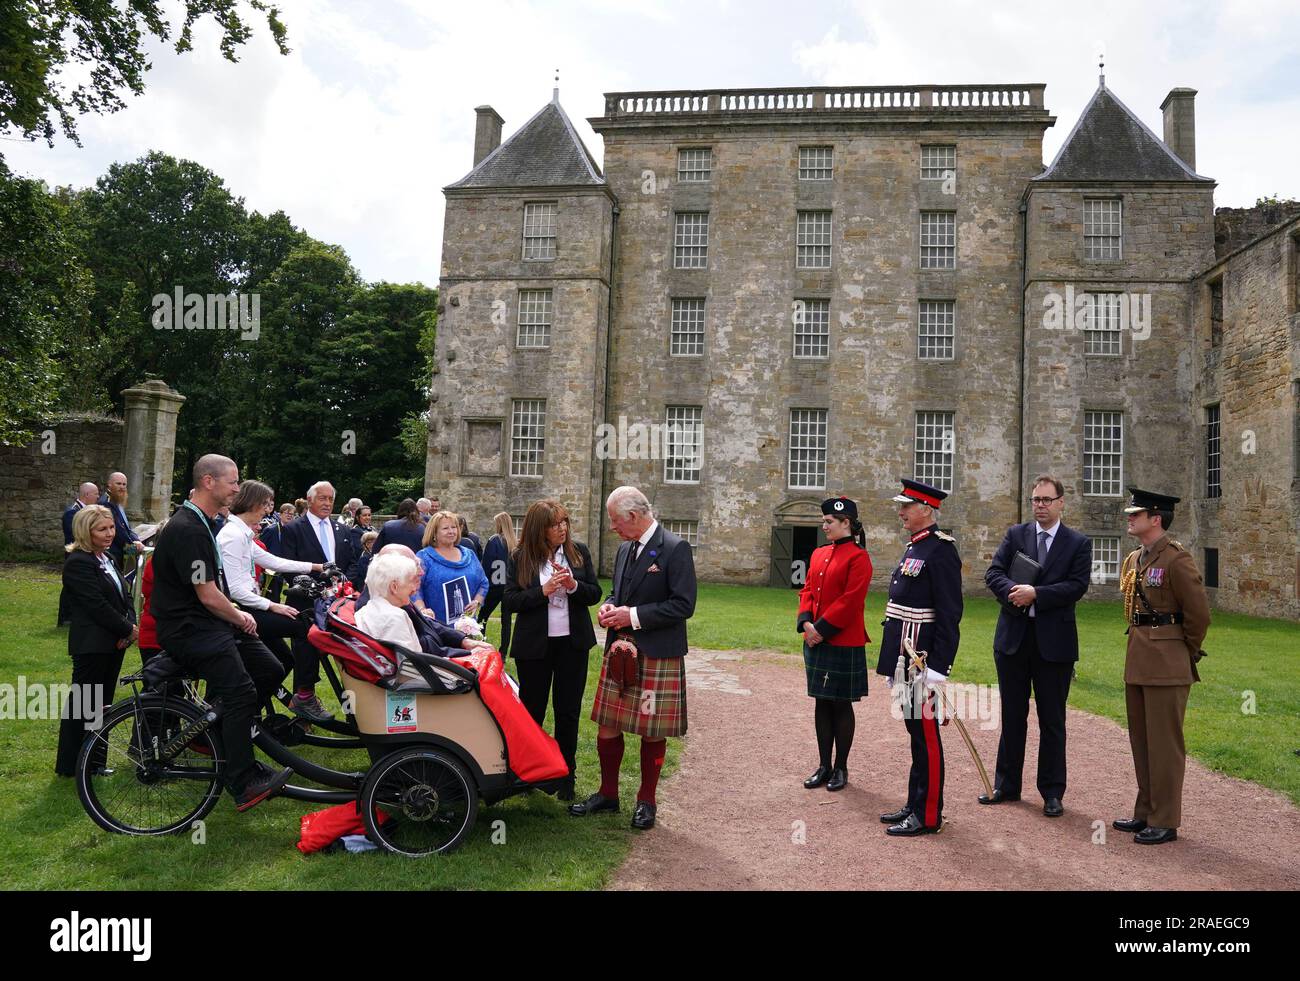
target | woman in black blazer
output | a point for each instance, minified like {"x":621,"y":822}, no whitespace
{"x":103,"y":627}
{"x":550,"y":585}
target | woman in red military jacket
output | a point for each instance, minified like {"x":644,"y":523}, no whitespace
{"x":835,"y":636}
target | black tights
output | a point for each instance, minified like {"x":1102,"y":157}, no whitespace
{"x":835,"y":723}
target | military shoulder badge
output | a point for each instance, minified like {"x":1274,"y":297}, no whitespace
{"x":945,"y":536}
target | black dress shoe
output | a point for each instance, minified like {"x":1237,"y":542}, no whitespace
{"x":819,"y":777}
{"x":998,"y":797}
{"x":643,"y":818}
{"x":839,"y":779}
{"x":564,"y":789}
{"x":1052,"y":807}
{"x":1129,"y":824}
{"x":911,"y":825}
{"x":593,"y":805}
{"x":1155,"y":836}
{"x":895,"y":816}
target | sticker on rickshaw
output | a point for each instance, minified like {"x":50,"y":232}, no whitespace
{"x":401,"y":712}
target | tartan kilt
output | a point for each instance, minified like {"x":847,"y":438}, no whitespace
{"x":835,"y":672}
{"x":666,"y":678}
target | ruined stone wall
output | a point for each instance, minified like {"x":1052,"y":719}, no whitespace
{"x":39,"y":480}
{"x":1254,"y":377}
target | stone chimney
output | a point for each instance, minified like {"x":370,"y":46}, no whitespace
{"x":487,"y":134}
{"x":1180,"y":124}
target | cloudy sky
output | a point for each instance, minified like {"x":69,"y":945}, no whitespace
{"x":357,"y":130}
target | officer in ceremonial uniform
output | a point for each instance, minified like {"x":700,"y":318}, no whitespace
{"x":1168,"y":615}
{"x":925,"y":606}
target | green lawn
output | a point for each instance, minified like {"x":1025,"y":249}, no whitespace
{"x":49,"y":843}
{"x":1246,"y":654}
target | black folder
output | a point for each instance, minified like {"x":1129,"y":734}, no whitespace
{"x":1024,"y":571}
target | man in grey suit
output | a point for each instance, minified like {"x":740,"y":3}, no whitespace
{"x":642,"y":687}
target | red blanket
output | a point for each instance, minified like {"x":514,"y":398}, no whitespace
{"x":534,"y":756}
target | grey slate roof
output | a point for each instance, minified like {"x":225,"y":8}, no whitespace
{"x":546,"y":151}
{"x":1110,"y":143}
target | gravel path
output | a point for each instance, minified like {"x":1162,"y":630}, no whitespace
{"x":735,"y":814}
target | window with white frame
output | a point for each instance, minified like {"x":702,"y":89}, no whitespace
{"x":807,"y":449}
{"x":1102,"y":224}
{"x":1105,"y":558}
{"x":527,"y":437}
{"x":1102,"y":335}
{"x":1213,"y":453}
{"x":534,"y":318}
{"x":812,"y":328}
{"x":694,"y":165}
{"x":691,"y":240}
{"x":518,"y":521}
{"x":1103,"y":453}
{"x":687,"y":531}
{"x":683,"y":444}
{"x":938,"y":240}
{"x":687,"y":338}
{"x":539,"y":230}
{"x":813,"y":240}
{"x":934,"y":450}
{"x":816,"y":163}
{"x":936,"y":330}
{"x":937,"y":162}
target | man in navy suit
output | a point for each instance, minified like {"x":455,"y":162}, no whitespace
{"x":87,"y":493}
{"x":125,"y":540}
{"x":1036,"y":642}
{"x":315,"y":538}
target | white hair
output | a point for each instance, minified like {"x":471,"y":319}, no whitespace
{"x":387,"y":568}
{"x":425,"y":501}
{"x":628,"y":500}
{"x":354,"y":503}
{"x":311,"y":491}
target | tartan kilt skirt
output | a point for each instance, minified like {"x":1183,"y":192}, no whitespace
{"x":654,"y":708}
{"x":835,"y":672}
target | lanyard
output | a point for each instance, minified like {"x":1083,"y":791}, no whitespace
{"x":208,"y":528}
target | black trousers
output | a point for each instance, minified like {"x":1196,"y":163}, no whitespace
{"x":925,"y":782}
{"x":273,"y":630}
{"x":306,"y":659}
{"x":562,"y":669}
{"x":1050,"y":681}
{"x":94,"y":680}
{"x":490,"y":603}
{"x":242,"y":673}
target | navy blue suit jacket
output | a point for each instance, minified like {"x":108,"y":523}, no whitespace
{"x":69,"y":513}
{"x":298,"y":541}
{"x":1065,"y":578}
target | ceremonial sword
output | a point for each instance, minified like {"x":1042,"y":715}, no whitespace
{"x":918,"y":661}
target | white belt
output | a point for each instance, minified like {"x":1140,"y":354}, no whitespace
{"x":909,"y":614}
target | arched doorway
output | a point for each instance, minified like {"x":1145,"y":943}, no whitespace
{"x":796,"y":532}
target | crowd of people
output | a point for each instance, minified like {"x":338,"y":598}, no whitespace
{"x":212,"y":599}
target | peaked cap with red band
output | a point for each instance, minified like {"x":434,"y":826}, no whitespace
{"x":915,"y":492}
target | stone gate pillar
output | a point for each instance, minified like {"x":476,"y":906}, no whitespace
{"x":150,"y":448}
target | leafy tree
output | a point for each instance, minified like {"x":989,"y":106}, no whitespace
{"x":43,"y":39}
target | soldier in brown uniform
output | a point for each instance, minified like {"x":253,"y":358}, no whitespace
{"x":1168,"y":614}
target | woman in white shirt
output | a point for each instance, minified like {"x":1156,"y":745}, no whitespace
{"x":275,"y":621}
{"x":391,"y":579}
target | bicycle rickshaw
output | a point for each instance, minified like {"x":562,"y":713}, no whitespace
{"x":442,"y":733}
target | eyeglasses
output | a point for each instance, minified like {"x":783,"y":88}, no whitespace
{"x":1044,"y":501}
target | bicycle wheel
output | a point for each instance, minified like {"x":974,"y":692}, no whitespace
{"x":125,"y":791}
{"x":428,"y":802}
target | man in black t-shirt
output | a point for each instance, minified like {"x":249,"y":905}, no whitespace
{"x":209,"y":635}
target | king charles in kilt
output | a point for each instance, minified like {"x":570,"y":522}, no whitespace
{"x":924,"y":606}
{"x":642,"y":687}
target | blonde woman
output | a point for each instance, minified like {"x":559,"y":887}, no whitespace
{"x":496,"y":556}
{"x":452,"y":583}
{"x":103,"y":627}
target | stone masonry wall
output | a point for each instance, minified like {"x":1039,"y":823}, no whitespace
{"x":39,"y":480}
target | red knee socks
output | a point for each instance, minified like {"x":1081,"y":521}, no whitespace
{"x":652,"y":761}
{"x":610,"y":752}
